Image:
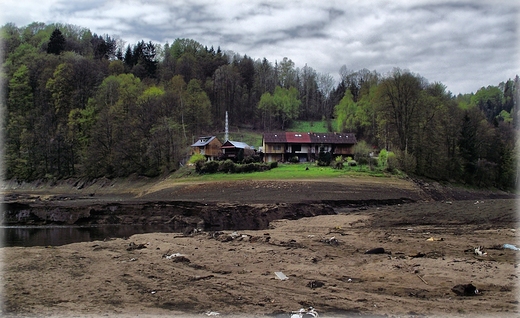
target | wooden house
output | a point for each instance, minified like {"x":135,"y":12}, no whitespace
{"x":306,"y":146}
{"x":208,"y":146}
{"x":231,"y":149}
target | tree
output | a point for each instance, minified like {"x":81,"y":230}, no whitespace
{"x":399,"y":100}
{"x":362,"y":153}
{"x":287,"y":103}
{"x":56,"y":42}
{"x":287,"y":75}
{"x":18,"y":123}
{"x":198,"y":108}
{"x":268,"y":108}
{"x":325,"y":84}
{"x":469,"y":143}
{"x":283,"y":105}
{"x":103,"y":47}
{"x":345,"y":113}
{"x":309,"y":94}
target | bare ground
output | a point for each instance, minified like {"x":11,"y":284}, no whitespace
{"x":322,"y":256}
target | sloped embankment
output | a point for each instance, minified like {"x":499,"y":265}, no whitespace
{"x":179,"y":215}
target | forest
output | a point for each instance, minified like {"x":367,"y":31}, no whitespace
{"x":79,"y":104}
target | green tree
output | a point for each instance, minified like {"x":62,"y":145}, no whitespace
{"x":287,"y":104}
{"x":345,"y":113}
{"x":198,"y":108}
{"x":56,"y":42}
{"x":268,"y":108}
{"x":18,"y":123}
{"x":490,"y":100}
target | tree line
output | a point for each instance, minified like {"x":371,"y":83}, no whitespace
{"x":82,"y":104}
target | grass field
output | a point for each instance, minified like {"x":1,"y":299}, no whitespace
{"x":282,"y":172}
{"x":309,"y":126}
{"x":251,"y":138}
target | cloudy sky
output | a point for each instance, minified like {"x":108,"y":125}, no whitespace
{"x":464,"y":44}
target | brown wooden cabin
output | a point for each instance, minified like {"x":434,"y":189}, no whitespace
{"x":208,"y":146}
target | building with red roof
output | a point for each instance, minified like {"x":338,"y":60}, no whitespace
{"x":306,"y":146}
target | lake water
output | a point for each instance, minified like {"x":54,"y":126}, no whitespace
{"x":61,"y":235}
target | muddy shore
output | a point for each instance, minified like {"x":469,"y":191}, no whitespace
{"x":316,"y":232}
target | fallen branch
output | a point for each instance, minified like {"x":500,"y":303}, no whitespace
{"x":422,"y":279}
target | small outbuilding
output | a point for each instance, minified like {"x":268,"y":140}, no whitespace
{"x":232,"y":149}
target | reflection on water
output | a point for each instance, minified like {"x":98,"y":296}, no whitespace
{"x":61,"y":235}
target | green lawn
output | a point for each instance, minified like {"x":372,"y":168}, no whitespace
{"x":309,"y":126}
{"x":282,"y":172}
{"x":250,"y":138}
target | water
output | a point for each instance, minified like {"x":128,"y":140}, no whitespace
{"x":61,"y":235}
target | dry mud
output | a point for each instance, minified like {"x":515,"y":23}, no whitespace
{"x":428,"y":242}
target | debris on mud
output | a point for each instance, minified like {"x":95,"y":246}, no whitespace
{"x":132,"y":246}
{"x":465,"y":290}
{"x":377,"y":250}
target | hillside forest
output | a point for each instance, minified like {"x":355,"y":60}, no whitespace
{"x":79,"y":104}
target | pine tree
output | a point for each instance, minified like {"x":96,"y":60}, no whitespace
{"x":56,"y":42}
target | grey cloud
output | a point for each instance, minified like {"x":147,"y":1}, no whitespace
{"x":464,"y":44}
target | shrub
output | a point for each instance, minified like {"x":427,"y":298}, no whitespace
{"x":227,"y":166}
{"x":352,"y":163}
{"x":362,"y":160}
{"x":361,"y":152}
{"x":391,"y":163}
{"x":273,"y":164}
{"x":248,"y":159}
{"x":198,"y":160}
{"x":197,"y":157}
{"x":210,"y":167}
{"x":265,"y":167}
{"x":294,"y":159}
{"x":406,"y":161}
{"x":338,"y":163}
{"x":324,"y":158}
{"x":382,"y":158}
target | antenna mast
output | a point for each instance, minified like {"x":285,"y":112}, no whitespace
{"x":226,"y":137}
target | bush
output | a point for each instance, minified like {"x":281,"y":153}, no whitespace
{"x":391,"y":162}
{"x":227,"y":166}
{"x":198,"y":160}
{"x":294,"y":159}
{"x":373,"y":162}
{"x":324,"y":158}
{"x":406,"y":161}
{"x":362,"y":160}
{"x":338,"y":163}
{"x":252,"y":167}
{"x":210,"y":167}
{"x":248,"y":159}
{"x":382,"y":158}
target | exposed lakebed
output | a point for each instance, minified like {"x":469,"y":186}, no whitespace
{"x":32,"y":222}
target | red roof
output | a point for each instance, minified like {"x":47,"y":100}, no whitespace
{"x":310,"y":138}
{"x":293,"y":137}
